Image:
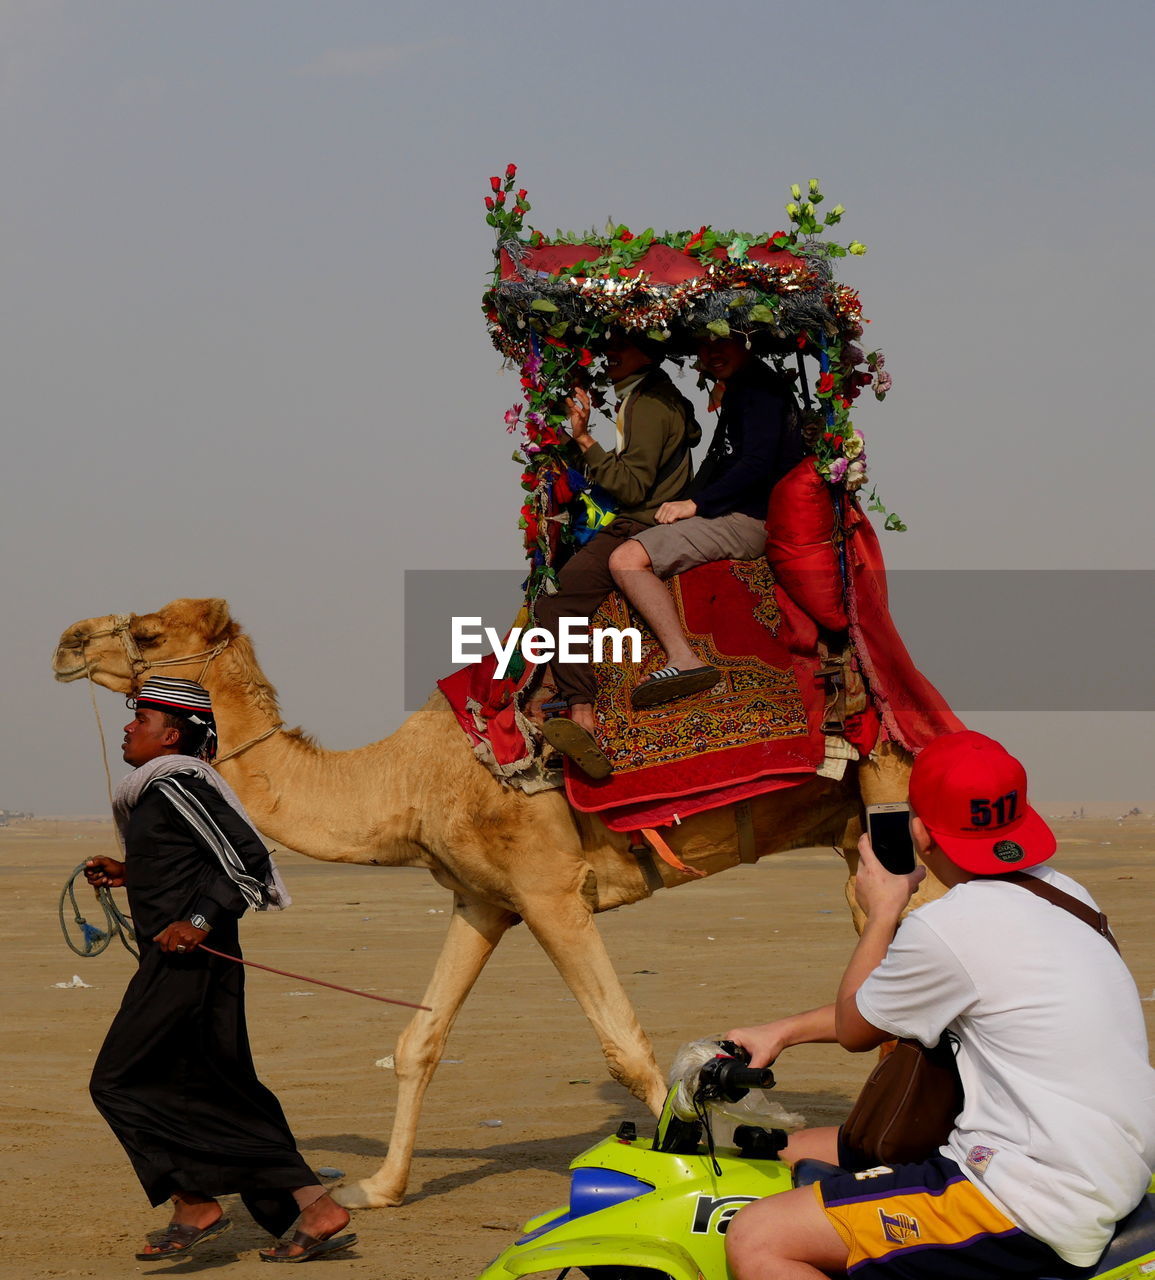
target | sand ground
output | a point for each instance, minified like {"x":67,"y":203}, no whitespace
{"x":752,"y":944}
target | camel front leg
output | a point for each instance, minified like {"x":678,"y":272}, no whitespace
{"x":568,"y":935}
{"x":475,"y":928}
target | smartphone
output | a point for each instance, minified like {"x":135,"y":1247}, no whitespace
{"x":888,"y":826}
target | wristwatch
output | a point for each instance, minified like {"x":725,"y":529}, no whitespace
{"x":199,"y":922}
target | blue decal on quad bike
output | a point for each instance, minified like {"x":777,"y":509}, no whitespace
{"x":592,"y":1190}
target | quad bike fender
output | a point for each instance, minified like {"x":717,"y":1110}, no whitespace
{"x":543,"y":1219}
{"x":597,"y":1251}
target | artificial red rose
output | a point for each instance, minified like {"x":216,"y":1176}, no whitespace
{"x":522,"y":194}
{"x":586,"y":357}
{"x":489,"y":203}
{"x":695,"y":239}
{"x":495,"y":184}
{"x":825,"y":384}
{"x":539,"y":238}
{"x":500,"y":197}
{"x":511,"y":170}
{"x":777,"y":235}
{"x":626,"y":236}
{"x":529,"y":477}
{"x":554,"y":342}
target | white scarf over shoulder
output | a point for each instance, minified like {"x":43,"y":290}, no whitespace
{"x":275,"y":897}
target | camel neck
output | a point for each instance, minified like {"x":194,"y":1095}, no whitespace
{"x":298,"y":793}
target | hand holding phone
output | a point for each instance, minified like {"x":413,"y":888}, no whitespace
{"x":888,"y":826}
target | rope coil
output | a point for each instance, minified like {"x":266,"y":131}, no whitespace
{"x":94,"y":939}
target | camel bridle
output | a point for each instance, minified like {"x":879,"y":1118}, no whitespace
{"x":137,"y":662}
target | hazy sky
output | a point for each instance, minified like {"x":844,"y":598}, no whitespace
{"x":243,"y":250}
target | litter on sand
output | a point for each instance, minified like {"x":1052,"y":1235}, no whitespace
{"x":77,"y":981}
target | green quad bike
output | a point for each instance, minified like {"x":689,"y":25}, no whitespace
{"x":651,"y":1209}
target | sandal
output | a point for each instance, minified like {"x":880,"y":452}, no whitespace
{"x":578,"y":745}
{"x":179,"y":1237}
{"x":313,"y":1248}
{"x":670,"y":683}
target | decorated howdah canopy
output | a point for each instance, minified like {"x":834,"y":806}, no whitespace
{"x":554,"y":302}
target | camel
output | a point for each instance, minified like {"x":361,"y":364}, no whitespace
{"x":419,"y":798}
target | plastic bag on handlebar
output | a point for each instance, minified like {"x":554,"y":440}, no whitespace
{"x":755,"y":1108}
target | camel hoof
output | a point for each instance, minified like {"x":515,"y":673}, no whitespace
{"x":360,"y":1195}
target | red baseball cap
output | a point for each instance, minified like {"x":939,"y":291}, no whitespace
{"x":971,"y":794}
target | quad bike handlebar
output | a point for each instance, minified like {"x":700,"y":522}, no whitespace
{"x":729,"y":1077}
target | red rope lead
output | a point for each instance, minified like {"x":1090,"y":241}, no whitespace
{"x":300,"y":977}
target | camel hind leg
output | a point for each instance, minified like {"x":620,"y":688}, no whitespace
{"x":475,"y":928}
{"x":567,"y":932}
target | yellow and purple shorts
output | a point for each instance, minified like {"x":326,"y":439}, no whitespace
{"x":915,"y":1221}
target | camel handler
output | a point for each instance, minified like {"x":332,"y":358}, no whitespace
{"x":650,"y":467}
{"x":1055,"y":1141}
{"x":175,"y":1077}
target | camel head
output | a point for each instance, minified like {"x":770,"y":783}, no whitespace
{"x":119,"y":649}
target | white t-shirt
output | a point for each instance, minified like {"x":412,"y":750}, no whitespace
{"x":1058,"y":1126}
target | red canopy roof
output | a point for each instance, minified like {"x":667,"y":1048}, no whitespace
{"x":660,"y":263}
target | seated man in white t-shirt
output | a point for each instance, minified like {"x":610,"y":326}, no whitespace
{"x":1056,"y":1138}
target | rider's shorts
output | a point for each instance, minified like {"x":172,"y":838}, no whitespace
{"x":685,"y":544}
{"x":916,"y":1221}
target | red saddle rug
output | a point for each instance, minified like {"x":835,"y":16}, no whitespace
{"x":757,"y":729}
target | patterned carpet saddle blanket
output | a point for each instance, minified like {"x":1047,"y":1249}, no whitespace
{"x":759,"y":728}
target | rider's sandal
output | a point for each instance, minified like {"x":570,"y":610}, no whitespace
{"x":311,"y":1247}
{"x":670,"y":683}
{"x":578,"y":745}
{"x":179,"y":1237}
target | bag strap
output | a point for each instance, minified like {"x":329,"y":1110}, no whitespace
{"x":1096,"y":919}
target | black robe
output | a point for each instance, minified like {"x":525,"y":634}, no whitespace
{"x":175,"y":1077}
